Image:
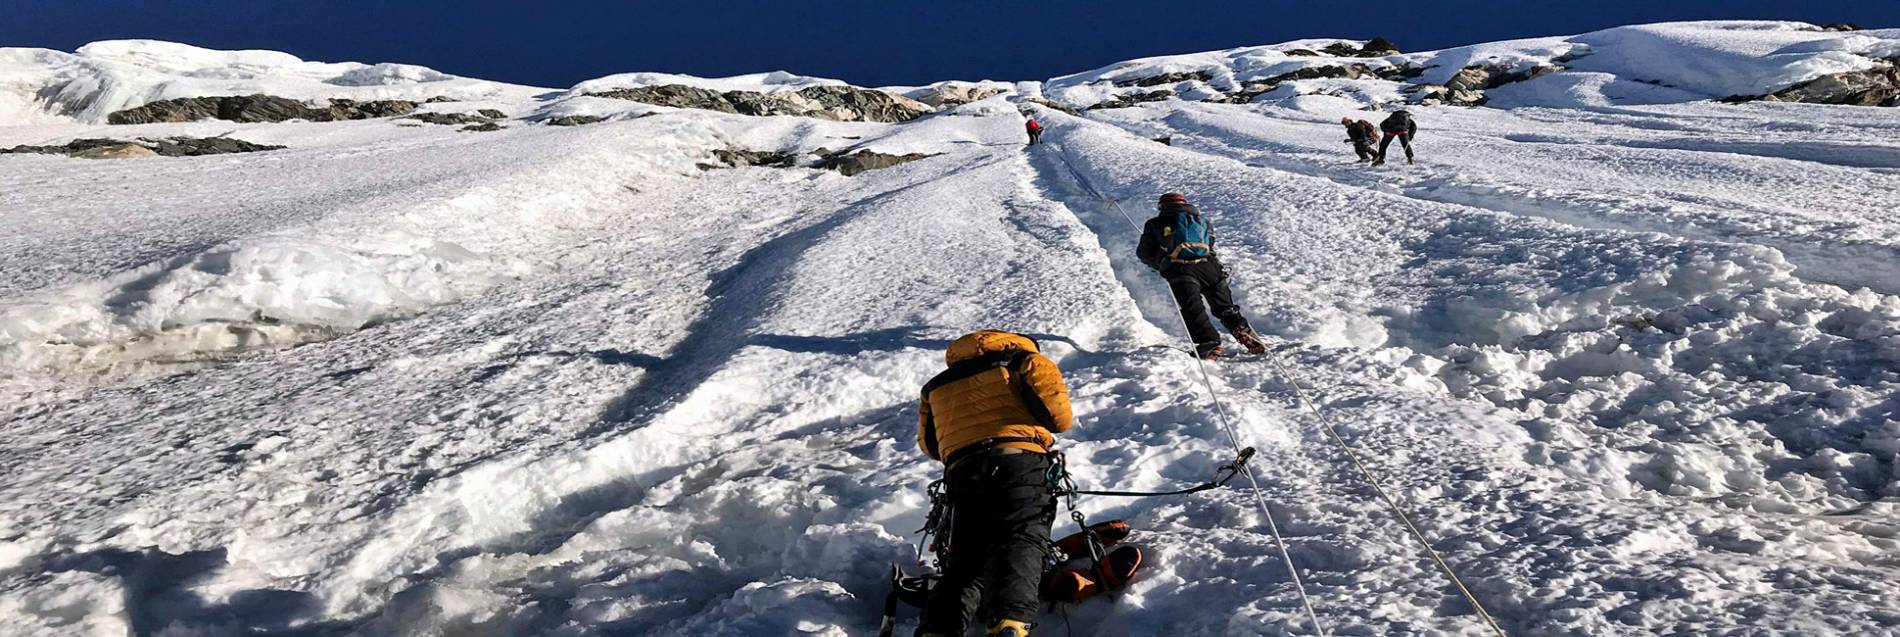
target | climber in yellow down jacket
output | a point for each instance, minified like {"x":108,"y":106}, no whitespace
{"x":992,"y":419}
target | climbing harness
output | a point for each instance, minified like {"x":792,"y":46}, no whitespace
{"x":940,"y":520}
{"x":1061,"y":485}
{"x":1372,"y":480}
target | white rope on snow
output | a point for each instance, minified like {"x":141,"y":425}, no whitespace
{"x":1333,"y":433}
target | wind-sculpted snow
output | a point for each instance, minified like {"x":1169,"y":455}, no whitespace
{"x":1632,"y":369}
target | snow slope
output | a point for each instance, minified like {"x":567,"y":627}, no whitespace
{"x":1634,"y":369}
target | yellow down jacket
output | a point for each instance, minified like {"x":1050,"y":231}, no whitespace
{"x":998,"y":387}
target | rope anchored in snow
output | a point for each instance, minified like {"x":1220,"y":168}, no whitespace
{"x":1331,"y":432}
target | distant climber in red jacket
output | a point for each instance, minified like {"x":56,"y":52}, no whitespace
{"x":1035,"y":131}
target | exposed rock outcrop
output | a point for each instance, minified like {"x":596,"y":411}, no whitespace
{"x":1125,"y":101}
{"x":1480,"y":78}
{"x":736,"y":157}
{"x":1439,"y":94}
{"x":1376,"y":47}
{"x":1398,"y":73}
{"x":1256,"y":88}
{"x":1168,"y":78}
{"x":863,"y":160}
{"x":1246,"y":94}
{"x":257,"y":108}
{"x":482,"y":116}
{"x":575,"y":120}
{"x":1351,"y":72}
{"x":837,"y":103}
{"x":115,"y":151}
{"x":1872,"y":87}
{"x":100,"y":148}
{"x":954,"y":95}
{"x":484,"y":127}
{"x":855,"y":104}
{"x":1050,"y":104}
{"x":195,"y":146}
{"x":1467,"y":87}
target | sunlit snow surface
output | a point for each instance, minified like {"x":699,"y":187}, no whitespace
{"x":1634,"y":368}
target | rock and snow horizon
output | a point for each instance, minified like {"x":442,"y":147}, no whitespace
{"x":344,"y":348}
{"x":1727,"y":59}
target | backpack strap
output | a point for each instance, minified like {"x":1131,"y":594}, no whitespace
{"x":1174,"y":254}
{"x":968,"y":368}
{"x":1019,"y":376}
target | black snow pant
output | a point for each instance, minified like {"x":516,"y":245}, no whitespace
{"x":1193,"y":282}
{"x":999,"y":540}
{"x":1035,"y":137}
{"x":1364,"y":148}
{"x":1404,"y":140}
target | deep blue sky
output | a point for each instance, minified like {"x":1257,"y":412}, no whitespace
{"x":870,"y":42}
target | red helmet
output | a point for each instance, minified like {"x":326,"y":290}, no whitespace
{"x":1172,"y":199}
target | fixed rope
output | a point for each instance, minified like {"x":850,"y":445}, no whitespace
{"x":1227,"y":425}
{"x":1326,"y":424}
{"x":1390,"y":503}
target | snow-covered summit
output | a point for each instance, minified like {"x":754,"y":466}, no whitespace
{"x":773,"y":82}
{"x":88,"y":84}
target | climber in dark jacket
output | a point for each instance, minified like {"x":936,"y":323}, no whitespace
{"x":1399,"y":125}
{"x":1179,"y":244}
{"x":1363,"y":135}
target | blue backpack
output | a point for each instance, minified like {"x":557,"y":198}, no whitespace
{"x":1185,"y":237}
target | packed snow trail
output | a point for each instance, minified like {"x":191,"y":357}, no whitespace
{"x":1332,"y":434}
{"x":1227,"y":424}
{"x":1058,"y":155}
